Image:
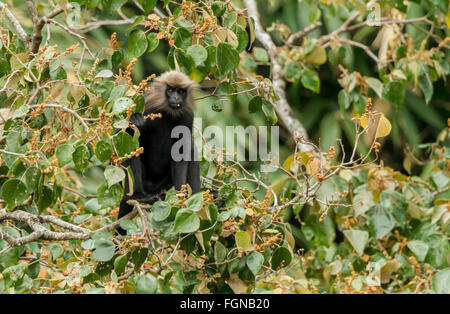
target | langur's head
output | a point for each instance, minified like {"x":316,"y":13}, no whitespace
{"x":171,"y":92}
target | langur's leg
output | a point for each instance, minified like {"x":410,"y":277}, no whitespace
{"x":178,"y":172}
{"x":193,"y":170}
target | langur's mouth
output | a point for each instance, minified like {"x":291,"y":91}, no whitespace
{"x":176,"y":106}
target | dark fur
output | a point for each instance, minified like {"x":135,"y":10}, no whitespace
{"x":155,"y":171}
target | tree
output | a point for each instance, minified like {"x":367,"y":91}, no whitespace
{"x":331,"y":218}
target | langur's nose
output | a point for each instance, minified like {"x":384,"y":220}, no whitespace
{"x":176,"y":100}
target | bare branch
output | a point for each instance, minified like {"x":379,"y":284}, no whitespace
{"x":40,"y":232}
{"x":345,"y":26}
{"x":362,"y":46}
{"x":76,"y":115}
{"x":94,"y":25}
{"x":282,"y":107}
{"x":37,"y":29}
{"x":11,"y":153}
{"x":25,"y":37}
{"x":297,"y":37}
{"x":70,"y":32}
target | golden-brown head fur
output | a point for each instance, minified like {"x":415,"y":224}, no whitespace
{"x":156,"y":100}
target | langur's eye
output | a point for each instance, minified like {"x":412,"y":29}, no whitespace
{"x":169,"y":89}
{"x":182,"y":91}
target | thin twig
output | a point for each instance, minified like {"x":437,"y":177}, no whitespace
{"x":298,"y":36}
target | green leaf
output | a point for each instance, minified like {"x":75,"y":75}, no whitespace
{"x":109,"y":196}
{"x":146,"y":284}
{"x":269,"y":112}
{"x":343,"y":100}
{"x":128,"y":225}
{"x":310,"y":79}
{"x":243,"y":241}
{"x":81,"y":157}
{"x":441,"y":281}
{"x":186,"y":62}
{"x":292,"y":71}
{"x":104,"y":74}
{"x":220,"y":252}
{"x":32,"y":176}
{"x":314,"y":15}
{"x":123,"y":142}
{"x":248,"y":64}
{"x":242,"y":36}
{"x":358,"y":239}
{"x":395,"y":92}
{"x":137,"y":44}
{"x":218,"y":8}
{"x":376,"y":85}
{"x":58,"y":73}
{"x":113,"y":175}
{"x":281,"y":257}
{"x":183,"y":22}
{"x":362,"y":201}
{"x":186,"y":221}
{"x":104,"y":250}
{"x":255,"y":104}
{"x":20,"y":112}
{"x":183,"y":38}
{"x":153,"y":42}
{"x":138,"y":20}
{"x":55,"y":250}
{"x":198,"y":53}
{"x":148,"y":5}
{"x":120,"y":263}
{"x":419,"y":248}
{"x":90,"y":4}
{"x":261,"y":54}
{"x":64,"y":154}
{"x":426,"y":86}
{"x":255,"y":260}
{"x":103,"y":151}
{"x":381,"y":221}
{"x":227,"y":59}
{"x":160,"y":210}
{"x":113,"y":5}
{"x":44,"y":198}
{"x":230,"y":19}
{"x":396,"y":204}
{"x":139,"y":256}
{"x":223,"y":216}
{"x":14,"y":192}
{"x":438,"y":251}
{"x":195,"y":202}
{"x":121,"y":105}
{"x":324,"y":230}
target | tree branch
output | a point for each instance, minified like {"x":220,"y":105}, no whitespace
{"x":94,"y":25}
{"x":40,"y":232}
{"x":363,"y":47}
{"x":297,"y":37}
{"x":25,"y":37}
{"x":282,"y":106}
{"x":76,"y":115}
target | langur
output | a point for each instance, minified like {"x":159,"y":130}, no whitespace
{"x":170,"y":157}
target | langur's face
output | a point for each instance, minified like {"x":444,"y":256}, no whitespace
{"x":176,"y":97}
{"x":171,"y":93}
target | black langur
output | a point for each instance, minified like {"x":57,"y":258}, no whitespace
{"x":165,"y":162}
